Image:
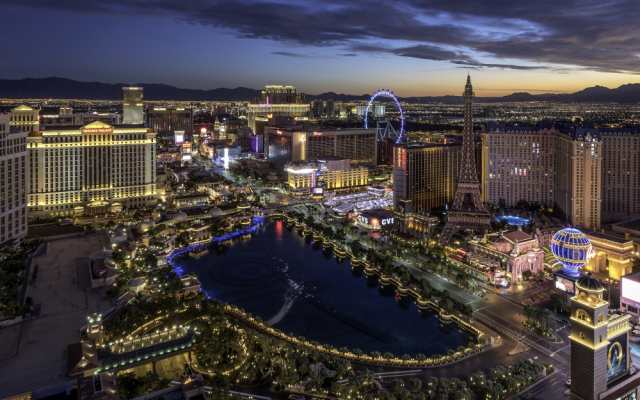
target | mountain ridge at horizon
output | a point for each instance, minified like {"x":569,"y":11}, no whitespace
{"x":64,"y":88}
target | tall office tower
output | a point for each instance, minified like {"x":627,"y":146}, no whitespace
{"x":166,"y":121}
{"x":276,"y":102}
{"x":91,"y":170}
{"x":424,"y":175}
{"x":621,"y":175}
{"x":600,"y":352}
{"x":517,"y":165}
{"x":467,"y":210}
{"x":578,"y":181}
{"x":132,"y":105}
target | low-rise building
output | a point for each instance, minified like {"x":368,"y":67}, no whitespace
{"x":612,"y":256}
{"x":516,"y":252}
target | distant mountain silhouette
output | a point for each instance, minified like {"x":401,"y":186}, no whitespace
{"x":62,"y":88}
{"x":70,"y":89}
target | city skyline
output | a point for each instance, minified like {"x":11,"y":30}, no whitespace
{"x":343,"y":199}
{"x":346,"y":47}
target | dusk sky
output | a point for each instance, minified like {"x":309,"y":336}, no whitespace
{"x":411,"y":47}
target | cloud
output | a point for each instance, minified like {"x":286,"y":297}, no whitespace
{"x":600,"y":35}
{"x":289,"y":54}
{"x":477,"y":64}
{"x":429,"y":52}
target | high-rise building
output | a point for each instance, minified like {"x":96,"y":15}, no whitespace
{"x":620,"y":175}
{"x":424,"y":175}
{"x":600,"y":351}
{"x":546,"y":167}
{"x":578,"y":181}
{"x":358,"y":145}
{"x":302,"y":144}
{"x":276,"y":102}
{"x":280,"y":94}
{"x":467,"y":210}
{"x":94,"y":169}
{"x":14,"y":129}
{"x":165,"y":121}
{"x":518,"y":165}
{"x":132,"y":105}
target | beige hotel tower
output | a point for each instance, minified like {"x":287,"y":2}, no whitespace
{"x":89,"y":170}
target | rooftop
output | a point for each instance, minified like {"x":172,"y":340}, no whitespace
{"x":610,"y":236}
{"x":517,"y":236}
{"x":631,"y":225}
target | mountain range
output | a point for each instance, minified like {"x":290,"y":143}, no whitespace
{"x":62,"y":88}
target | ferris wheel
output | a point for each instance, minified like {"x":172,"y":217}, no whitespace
{"x":389,"y":94}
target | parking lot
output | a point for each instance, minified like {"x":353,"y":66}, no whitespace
{"x":33,"y":353}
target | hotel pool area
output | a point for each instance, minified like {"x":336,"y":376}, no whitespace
{"x":513,"y":220}
{"x":301,"y":289}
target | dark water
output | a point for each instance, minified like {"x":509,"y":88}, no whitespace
{"x":304,"y":290}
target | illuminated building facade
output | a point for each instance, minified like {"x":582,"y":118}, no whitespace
{"x":424,"y":175}
{"x":280,"y":94}
{"x":301,"y":176}
{"x":612,"y":255}
{"x":600,"y":351}
{"x":165,"y":122}
{"x":350,"y":178}
{"x":620,"y":176}
{"x":517,"y":165}
{"x":65,"y":116}
{"x":14,"y":128}
{"x":334,"y":175}
{"x":132,"y":105}
{"x":579,"y":179}
{"x":357,"y":145}
{"x":545,"y":167}
{"x":298,"y":144}
{"x":91,"y":170}
{"x":274,"y":102}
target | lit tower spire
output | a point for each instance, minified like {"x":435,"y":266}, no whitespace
{"x":467,"y":210}
{"x":468,"y":173}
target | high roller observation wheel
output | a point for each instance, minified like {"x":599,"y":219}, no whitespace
{"x":385,"y":93}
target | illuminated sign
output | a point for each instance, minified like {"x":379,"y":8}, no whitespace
{"x":373,"y":222}
{"x":616,"y":357}
{"x":566,"y":285}
{"x":179,"y":137}
{"x":630,"y":290}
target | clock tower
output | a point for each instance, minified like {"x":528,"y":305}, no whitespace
{"x":600,"y":357}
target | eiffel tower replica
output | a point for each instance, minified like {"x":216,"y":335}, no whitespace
{"x":467,"y":210}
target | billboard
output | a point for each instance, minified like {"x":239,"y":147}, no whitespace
{"x":179,"y":137}
{"x":630,"y":289}
{"x":564,"y":284}
{"x":617,"y":357}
